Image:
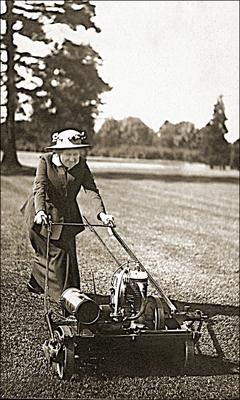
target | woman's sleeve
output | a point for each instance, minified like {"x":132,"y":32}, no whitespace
{"x":92,"y":192}
{"x":39,"y":186}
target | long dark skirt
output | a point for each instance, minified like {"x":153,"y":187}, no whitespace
{"x":63,"y":267}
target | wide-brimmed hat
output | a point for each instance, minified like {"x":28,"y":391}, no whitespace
{"x":68,"y":139}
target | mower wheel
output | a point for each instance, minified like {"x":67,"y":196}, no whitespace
{"x":181,"y":357}
{"x":65,"y":364}
{"x":189,"y":361}
{"x":154,"y":313}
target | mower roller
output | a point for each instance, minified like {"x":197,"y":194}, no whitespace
{"x":128,"y":321}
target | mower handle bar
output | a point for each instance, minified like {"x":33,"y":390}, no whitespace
{"x":111,"y":226}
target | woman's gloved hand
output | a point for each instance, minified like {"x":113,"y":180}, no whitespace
{"x":41,"y":218}
{"x":107,"y":219}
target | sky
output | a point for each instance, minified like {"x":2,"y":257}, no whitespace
{"x":165,"y":60}
{"x":169,"y":60}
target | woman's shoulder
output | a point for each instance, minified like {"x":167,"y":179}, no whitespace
{"x":46,"y":156}
{"x":85,"y":163}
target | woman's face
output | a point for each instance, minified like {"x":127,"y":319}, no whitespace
{"x":71,"y":157}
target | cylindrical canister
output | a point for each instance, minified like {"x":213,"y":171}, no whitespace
{"x":80,"y":305}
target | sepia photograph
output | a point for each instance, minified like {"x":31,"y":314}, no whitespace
{"x":120,"y":200}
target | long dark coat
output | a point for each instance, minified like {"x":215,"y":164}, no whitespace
{"x":54,"y":191}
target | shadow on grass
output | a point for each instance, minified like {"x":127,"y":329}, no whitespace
{"x":136,"y":175}
{"x":128,"y":365}
{"x":166,"y":177}
{"x":209,"y":309}
{"x":21,"y":170}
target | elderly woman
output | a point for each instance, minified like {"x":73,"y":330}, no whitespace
{"x":59,"y":177}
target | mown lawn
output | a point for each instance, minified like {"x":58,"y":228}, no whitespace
{"x":185,"y":232}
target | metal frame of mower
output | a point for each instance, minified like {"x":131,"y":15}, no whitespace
{"x":167,"y":334}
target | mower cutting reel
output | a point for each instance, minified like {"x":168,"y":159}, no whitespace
{"x":128,"y":321}
{"x":65,"y":361}
{"x":189,"y":355}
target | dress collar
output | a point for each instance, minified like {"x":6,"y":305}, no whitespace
{"x":56,"y":160}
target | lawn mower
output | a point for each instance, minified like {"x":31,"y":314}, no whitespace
{"x":128,"y":321}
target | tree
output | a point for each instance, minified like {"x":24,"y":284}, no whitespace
{"x":214,"y":147}
{"x":129,"y":131}
{"x":109,"y":133}
{"x":181,"y":135}
{"x":134,"y":131}
{"x":166,"y":133}
{"x":186,"y":136}
{"x":235,"y":156}
{"x":70,"y":92}
{"x":27,"y":19}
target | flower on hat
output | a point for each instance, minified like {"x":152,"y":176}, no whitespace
{"x":55,"y":137}
{"x":78,"y":137}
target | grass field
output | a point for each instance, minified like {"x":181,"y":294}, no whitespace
{"x":184,"y":228}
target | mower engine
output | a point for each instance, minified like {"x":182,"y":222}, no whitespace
{"x":128,"y":293}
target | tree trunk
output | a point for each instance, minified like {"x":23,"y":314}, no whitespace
{"x":10,"y":159}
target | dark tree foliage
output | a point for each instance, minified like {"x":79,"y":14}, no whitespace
{"x":182,"y":135}
{"x":27,"y":19}
{"x":70,"y":93}
{"x":166,"y":133}
{"x":135,"y":131}
{"x":235,"y":155}
{"x":109,"y":134}
{"x":214,"y":147}
{"x":129,"y":131}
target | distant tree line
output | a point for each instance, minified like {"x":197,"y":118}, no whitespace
{"x":130,"y":137}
